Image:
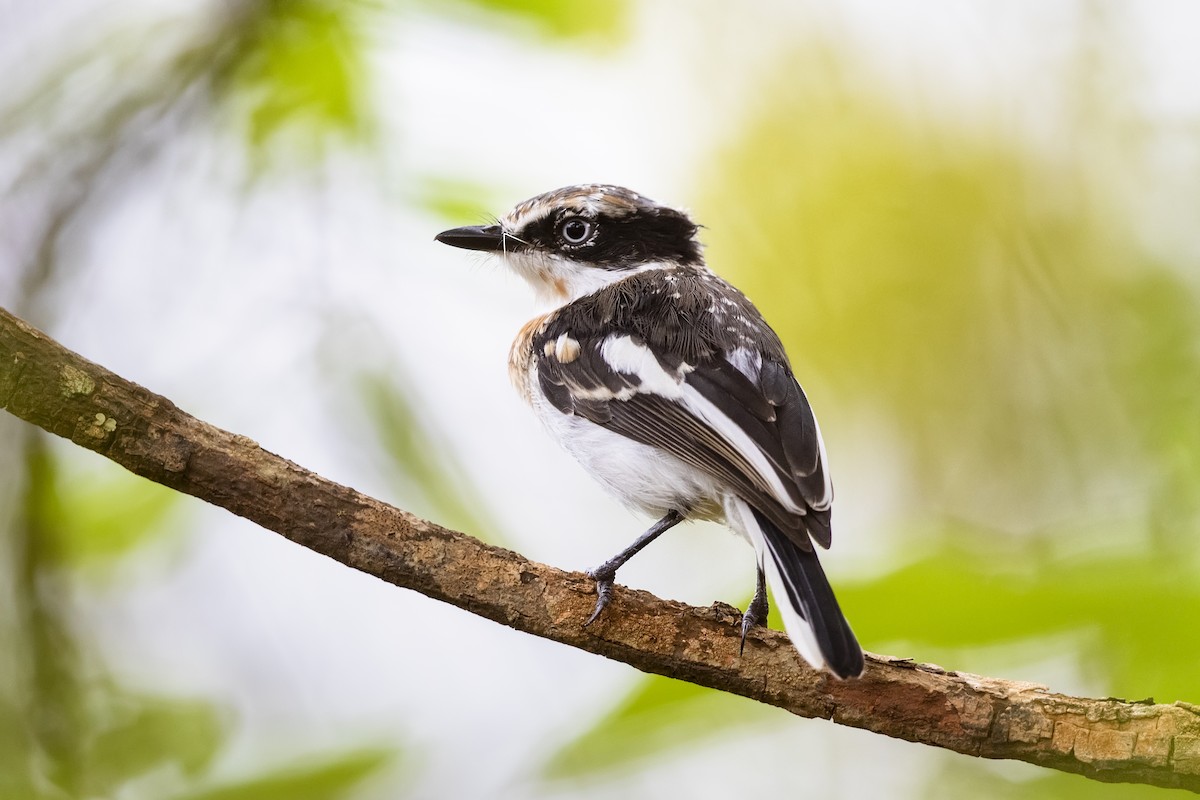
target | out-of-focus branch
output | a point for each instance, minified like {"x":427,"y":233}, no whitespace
{"x":1107,"y":739}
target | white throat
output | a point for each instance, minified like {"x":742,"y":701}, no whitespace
{"x":559,"y":280}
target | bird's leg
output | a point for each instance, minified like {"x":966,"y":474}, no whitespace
{"x":606,"y":573}
{"x":756,"y":612}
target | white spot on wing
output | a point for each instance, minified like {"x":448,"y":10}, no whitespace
{"x":622,"y":354}
{"x":746,"y":361}
{"x":566,"y":349}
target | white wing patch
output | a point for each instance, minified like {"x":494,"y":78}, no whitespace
{"x":746,"y":361}
{"x":623,"y":354}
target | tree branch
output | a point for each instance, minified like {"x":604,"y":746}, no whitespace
{"x":1107,"y":739}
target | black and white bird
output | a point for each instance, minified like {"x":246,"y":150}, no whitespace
{"x":668,"y":386}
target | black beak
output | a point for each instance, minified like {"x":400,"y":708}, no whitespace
{"x":474,"y":237}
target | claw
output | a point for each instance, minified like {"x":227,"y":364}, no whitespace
{"x":757,"y":611}
{"x":603,"y":595}
{"x":754,"y":616}
{"x":606,"y":573}
{"x":604,"y":579}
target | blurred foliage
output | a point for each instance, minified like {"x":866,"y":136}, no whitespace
{"x":657,"y":717}
{"x":455,"y":200}
{"x":91,"y":521}
{"x":326,"y":779}
{"x":69,"y":729}
{"x":431,"y":481}
{"x":1037,"y":364}
{"x":603,"y":21}
{"x":395,"y":432}
{"x":293,"y":77}
{"x":298,"y":67}
{"x":1118,"y":613}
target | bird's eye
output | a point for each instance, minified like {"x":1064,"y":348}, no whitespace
{"x":575,"y":230}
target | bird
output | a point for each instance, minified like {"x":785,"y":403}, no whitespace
{"x":671,"y":390}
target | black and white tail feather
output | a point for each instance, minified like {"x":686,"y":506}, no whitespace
{"x":811,"y":615}
{"x":668,"y":386}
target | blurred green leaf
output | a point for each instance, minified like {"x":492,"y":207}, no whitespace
{"x":1125,"y":610}
{"x":603,"y":21}
{"x":68,"y":728}
{"x":989,"y":304}
{"x":328,"y":779}
{"x":456,"y":201}
{"x":299,"y":68}
{"x":658,"y":717}
{"x":17,"y":746}
{"x":136,"y":733}
{"x":90,"y":523}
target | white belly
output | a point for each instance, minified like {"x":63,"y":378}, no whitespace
{"x":642,"y":477}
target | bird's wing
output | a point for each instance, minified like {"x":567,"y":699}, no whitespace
{"x":739,"y":416}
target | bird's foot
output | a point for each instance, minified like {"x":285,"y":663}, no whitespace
{"x":756,"y":614}
{"x":604,"y":576}
{"x":606,"y":573}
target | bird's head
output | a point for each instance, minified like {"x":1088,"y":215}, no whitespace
{"x":576,"y":240}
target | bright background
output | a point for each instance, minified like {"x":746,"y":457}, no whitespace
{"x":974,"y":225}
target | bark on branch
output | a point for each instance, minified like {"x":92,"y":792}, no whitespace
{"x":1107,"y":739}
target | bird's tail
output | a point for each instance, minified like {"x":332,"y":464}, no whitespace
{"x":811,"y":614}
